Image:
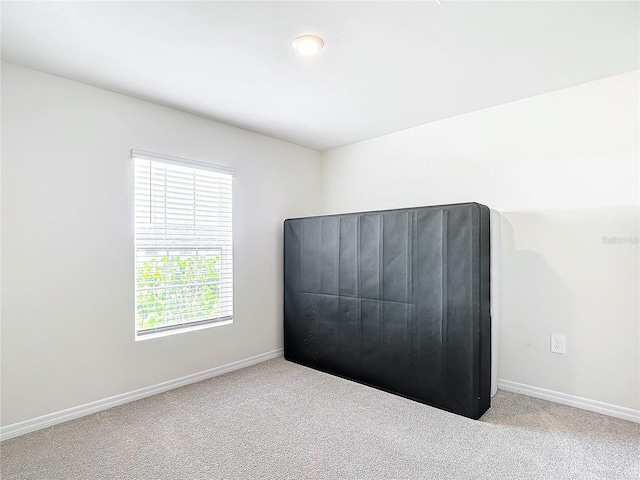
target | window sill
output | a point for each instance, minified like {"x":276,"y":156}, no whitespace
{"x":185,"y":329}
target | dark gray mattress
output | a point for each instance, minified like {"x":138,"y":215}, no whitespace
{"x":397,"y":299}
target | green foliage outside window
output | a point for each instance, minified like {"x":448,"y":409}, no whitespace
{"x":176,"y":289}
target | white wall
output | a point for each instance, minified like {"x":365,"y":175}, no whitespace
{"x":67,"y":241}
{"x":563,"y":170}
{"x":561,"y":167}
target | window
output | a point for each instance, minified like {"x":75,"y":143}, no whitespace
{"x":183,"y":244}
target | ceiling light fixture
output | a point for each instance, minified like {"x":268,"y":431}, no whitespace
{"x":308,"y":45}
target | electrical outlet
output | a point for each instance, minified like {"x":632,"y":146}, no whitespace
{"x":558,"y":343}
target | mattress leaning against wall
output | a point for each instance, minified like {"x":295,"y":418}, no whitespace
{"x":397,"y":299}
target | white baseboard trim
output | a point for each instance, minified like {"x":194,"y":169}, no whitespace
{"x":571,"y":400}
{"x":44,"y":421}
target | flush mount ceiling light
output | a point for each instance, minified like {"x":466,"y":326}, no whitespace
{"x":308,"y":45}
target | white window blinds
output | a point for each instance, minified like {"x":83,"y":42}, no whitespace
{"x":183,"y":243}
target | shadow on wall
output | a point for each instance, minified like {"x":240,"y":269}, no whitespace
{"x":575,"y":273}
{"x":535,"y":303}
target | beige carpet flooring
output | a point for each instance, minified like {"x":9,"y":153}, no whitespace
{"x":278,"y":420}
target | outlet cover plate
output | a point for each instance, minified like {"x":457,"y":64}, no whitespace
{"x":558,"y":343}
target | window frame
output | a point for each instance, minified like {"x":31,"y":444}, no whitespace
{"x":226,"y":281}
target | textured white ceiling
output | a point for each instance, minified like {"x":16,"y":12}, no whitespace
{"x":386,"y":66}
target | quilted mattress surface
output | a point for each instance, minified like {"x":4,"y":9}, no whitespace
{"x":398,"y":300}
